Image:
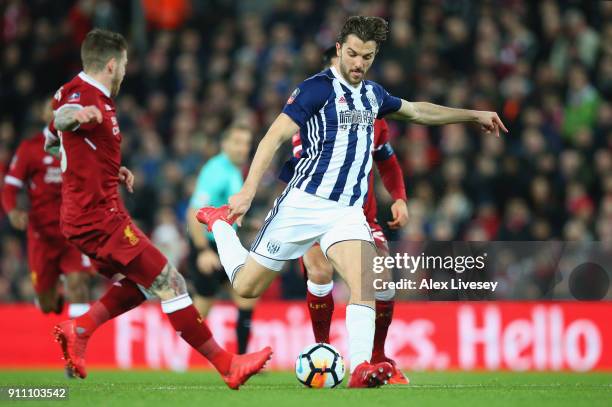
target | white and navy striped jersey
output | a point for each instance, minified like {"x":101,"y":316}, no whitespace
{"x":336,"y":128}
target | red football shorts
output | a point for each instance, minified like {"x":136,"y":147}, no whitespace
{"x":50,"y":257}
{"x":118,"y":246}
{"x":379,"y":237}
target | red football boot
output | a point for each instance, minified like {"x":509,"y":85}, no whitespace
{"x":371,"y":375}
{"x":245,"y":366}
{"x":208,"y":215}
{"x":398,"y":377}
{"x":73,"y":347}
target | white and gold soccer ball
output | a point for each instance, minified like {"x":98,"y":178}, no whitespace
{"x":320,"y":365}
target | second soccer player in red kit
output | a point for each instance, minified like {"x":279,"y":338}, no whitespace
{"x":94,"y":219}
{"x":49,"y":254}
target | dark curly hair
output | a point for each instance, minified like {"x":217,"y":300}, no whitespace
{"x":365,"y":28}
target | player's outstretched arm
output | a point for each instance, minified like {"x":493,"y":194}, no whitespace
{"x":432,"y":114}
{"x":280,"y":131}
{"x":69,"y":117}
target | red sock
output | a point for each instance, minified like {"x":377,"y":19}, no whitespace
{"x":384,"y":315}
{"x":121,"y":297}
{"x":194,"y":331}
{"x":321,"y":310}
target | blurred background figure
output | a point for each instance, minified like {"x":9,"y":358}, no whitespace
{"x":220,"y":178}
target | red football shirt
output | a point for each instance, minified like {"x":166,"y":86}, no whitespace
{"x":381,"y":152}
{"x":90,"y":155}
{"x":40,"y":174}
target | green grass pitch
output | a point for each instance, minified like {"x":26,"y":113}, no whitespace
{"x":276,"y":389}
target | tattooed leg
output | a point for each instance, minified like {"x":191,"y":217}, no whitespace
{"x":169,"y":284}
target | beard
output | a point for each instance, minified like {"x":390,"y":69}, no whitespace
{"x":346,"y":73}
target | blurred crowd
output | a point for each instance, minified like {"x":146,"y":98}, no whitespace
{"x":196,"y":66}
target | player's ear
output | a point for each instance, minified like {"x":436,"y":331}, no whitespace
{"x":338,"y":49}
{"x":111,"y":65}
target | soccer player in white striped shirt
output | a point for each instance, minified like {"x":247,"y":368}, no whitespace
{"x":334,"y":112}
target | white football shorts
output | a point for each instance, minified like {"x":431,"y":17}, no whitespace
{"x":298,"y":220}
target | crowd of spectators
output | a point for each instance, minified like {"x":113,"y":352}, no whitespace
{"x":194,"y":67}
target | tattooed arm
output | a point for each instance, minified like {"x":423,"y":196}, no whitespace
{"x":68,"y":118}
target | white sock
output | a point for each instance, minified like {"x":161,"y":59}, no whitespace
{"x":231,"y":253}
{"x":75,"y":310}
{"x":320,"y":290}
{"x":360,"y":327}
{"x":176,"y":303}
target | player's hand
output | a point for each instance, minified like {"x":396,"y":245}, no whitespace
{"x":126,"y":177}
{"x":52,"y":145}
{"x":88,"y":114}
{"x":18,"y":218}
{"x":239,"y":204}
{"x":490,"y":122}
{"x":208,"y":261}
{"x":399,"y":210}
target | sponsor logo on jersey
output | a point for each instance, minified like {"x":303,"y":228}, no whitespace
{"x":130,"y":236}
{"x":74,"y":97}
{"x":273,"y":246}
{"x":365,"y":117}
{"x":295,"y":94}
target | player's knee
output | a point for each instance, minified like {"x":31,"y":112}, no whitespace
{"x":245,"y":289}
{"x":321,"y":275}
{"x":168,"y":284}
{"x":320,"y":271}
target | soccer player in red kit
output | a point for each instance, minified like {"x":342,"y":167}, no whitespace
{"x":49,"y":253}
{"x":94,"y":219}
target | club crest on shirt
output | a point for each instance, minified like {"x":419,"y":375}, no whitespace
{"x":130,"y":236}
{"x":273,"y":246}
{"x":295,"y":94}
{"x":74,"y":97}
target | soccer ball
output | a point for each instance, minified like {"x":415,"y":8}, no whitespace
{"x":320,"y":365}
